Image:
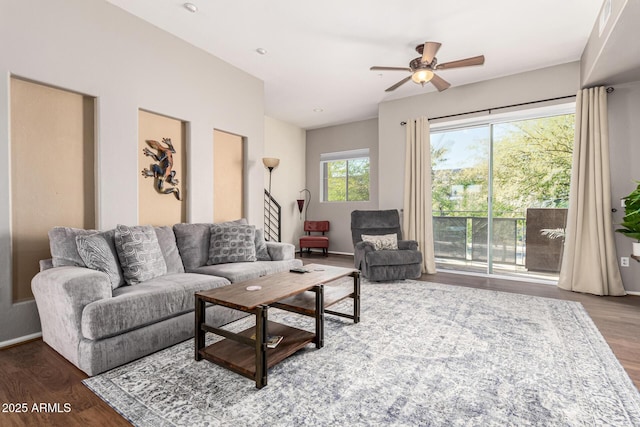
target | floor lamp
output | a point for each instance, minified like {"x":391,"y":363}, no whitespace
{"x":270,"y":163}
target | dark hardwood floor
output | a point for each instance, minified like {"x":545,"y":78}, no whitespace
{"x":33,"y":373}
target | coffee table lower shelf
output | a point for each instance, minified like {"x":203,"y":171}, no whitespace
{"x":241,"y":358}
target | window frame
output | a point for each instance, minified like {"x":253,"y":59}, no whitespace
{"x":493,"y":118}
{"x":345,"y":156}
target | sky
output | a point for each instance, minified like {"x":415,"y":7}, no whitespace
{"x":466,"y":146}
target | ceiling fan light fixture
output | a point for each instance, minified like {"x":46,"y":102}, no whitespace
{"x":422,"y":76}
{"x":422,"y":67}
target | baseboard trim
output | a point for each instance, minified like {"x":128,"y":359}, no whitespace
{"x":20,"y":340}
{"x":341,"y":253}
{"x":633,"y":293}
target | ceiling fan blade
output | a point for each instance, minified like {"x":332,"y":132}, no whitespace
{"x":475,"y":60}
{"x":429,"y":51}
{"x":390,"y":69}
{"x":440,"y":83}
{"x":397,"y":85}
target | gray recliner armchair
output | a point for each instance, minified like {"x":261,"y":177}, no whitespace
{"x":382,"y":265}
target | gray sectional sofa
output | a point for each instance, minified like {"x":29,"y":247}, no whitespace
{"x":107,"y":298}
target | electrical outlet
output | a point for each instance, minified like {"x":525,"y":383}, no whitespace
{"x":624,"y":261}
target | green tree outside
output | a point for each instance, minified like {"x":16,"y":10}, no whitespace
{"x":347,"y":180}
{"x":532,"y":164}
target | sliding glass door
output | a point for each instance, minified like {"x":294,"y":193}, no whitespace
{"x":500,"y":193}
{"x":460,"y":192}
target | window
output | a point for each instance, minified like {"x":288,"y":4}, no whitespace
{"x":345,"y":176}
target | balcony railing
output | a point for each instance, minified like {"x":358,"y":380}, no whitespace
{"x":518,"y":240}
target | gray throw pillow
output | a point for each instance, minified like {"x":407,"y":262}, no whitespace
{"x":262,"y":253}
{"x":139,"y":253}
{"x":167,"y":242}
{"x":232,"y":243}
{"x":98,"y":251}
{"x":62,"y":243}
{"x":193,"y":242}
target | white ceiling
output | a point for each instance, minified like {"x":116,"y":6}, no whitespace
{"x":319,"y":52}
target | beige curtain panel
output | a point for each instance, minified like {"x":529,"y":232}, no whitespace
{"x":590,"y":262}
{"x":417,"y":221}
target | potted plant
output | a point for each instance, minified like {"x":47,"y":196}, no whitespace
{"x":630,"y":225}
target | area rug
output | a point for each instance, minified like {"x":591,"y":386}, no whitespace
{"x":423,"y":354}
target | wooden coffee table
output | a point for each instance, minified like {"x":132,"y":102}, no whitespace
{"x":304,"y":302}
{"x":246,"y":352}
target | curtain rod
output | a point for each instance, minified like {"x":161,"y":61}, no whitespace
{"x":609,"y":90}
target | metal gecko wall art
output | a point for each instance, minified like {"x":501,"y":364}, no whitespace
{"x":162,"y":172}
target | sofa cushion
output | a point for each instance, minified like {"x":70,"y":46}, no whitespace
{"x":383,"y":241}
{"x":262,"y":253}
{"x":98,"y":251}
{"x":314,"y":241}
{"x":193,"y":242}
{"x":241,"y":271}
{"x":279,"y":251}
{"x":397,"y":257}
{"x":139,"y":253}
{"x":169,"y":248}
{"x":232,"y":243}
{"x":132,"y":307}
{"x":62,"y":243}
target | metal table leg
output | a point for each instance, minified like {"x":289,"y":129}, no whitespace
{"x":319,"y":340}
{"x":199,"y":332}
{"x":261,"y":346}
{"x":356,"y":296}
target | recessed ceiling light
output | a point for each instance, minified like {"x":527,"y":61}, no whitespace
{"x":261,"y":51}
{"x":318,"y":110}
{"x":191,"y":7}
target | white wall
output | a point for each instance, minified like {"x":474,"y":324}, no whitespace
{"x":351,"y":136}
{"x":613,"y":56}
{"x":287,"y":143}
{"x":546,"y":83}
{"x":624,"y":146}
{"x":95,"y":48}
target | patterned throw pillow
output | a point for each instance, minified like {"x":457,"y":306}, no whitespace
{"x":262,"y":253}
{"x":98,"y":251}
{"x":232,"y":243}
{"x":139,"y":253}
{"x":382,"y":242}
{"x":193,"y":242}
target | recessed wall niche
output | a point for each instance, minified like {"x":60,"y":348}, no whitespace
{"x":161,"y":197}
{"x":228,"y":176}
{"x":52,"y":172}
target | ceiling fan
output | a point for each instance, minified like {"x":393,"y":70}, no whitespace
{"x":422,"y":68}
